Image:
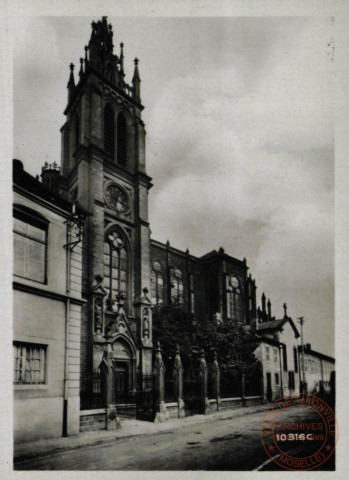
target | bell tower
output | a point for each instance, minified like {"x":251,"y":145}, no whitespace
{"x":103,"y":162}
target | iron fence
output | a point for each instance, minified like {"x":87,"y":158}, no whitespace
{"x":91,"y":391}
{"x":230,"y":387}
{"x":192,"y":396}
{"x":169,"y":389}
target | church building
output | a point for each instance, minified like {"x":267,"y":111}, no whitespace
{"x":124,"y":271}
{"x":120,"y":272}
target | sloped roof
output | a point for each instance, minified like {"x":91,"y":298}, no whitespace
{"x":27,"y":182}
{"x":314,"y":353}
{"x":277,"y":325}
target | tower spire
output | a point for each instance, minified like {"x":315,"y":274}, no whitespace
{"x":269,"y":309}
{"x":81,"y":72}
{"x":71,"y":83}
{"x":263,"y":303}
{"x":86,"y":58}
{"x":122,"y":60}
{"x":136,"y":81}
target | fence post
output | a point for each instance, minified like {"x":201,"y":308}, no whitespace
{"x":243,"y":399}
{"x":216,"y":380}
{"x":178,"y":383}
{"x":159,"y":380}
{"x":203,"y":381}
{"x":108,"y":373}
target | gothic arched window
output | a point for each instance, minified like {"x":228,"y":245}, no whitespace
{"x":176,"y":287}
{"x":121,"y":140}
{"x":157,"y":284}
{"x":234,"y":299}
{"x":115,"y":264}
{"x":109,"y":130}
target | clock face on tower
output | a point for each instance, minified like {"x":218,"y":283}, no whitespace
{"x":116,"y":198}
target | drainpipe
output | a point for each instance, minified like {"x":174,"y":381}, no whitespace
{"x":67,"y":310}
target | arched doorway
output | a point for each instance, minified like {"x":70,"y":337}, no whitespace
{"x":124,"y":371}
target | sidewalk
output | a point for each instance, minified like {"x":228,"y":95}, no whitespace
{"x":128,"y":428}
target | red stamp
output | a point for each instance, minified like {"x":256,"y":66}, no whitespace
{"x":299,"y":432}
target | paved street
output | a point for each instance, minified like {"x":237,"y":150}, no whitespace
{"x":224,"y":444}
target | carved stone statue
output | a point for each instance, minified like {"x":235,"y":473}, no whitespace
{"x":98,"y":315}
{"x":146,"y":323}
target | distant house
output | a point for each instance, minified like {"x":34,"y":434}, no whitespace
{"x":317,"y":370}
{"x":46,"y":311}
{"x":278,"y":353}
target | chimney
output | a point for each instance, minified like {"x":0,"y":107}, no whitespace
{"x":50,"y":173}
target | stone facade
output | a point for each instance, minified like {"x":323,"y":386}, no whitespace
{"x":46,"y":314}
{"x":103,"y":166}
{"x":206,"y":283}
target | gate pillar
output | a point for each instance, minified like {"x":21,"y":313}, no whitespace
{"x":107,"y":371}
{"x":178,"y":383}
{"x":159,"y":381}
{"x":203,"y":383}
{"x":216,"y":380}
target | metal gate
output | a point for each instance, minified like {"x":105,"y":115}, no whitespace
{"x":192,"y":396}
{"x":91,"y":391}
{"x":145,"y":399}
{"x":141,"y":403}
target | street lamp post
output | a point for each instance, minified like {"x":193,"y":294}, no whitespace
{"x":281,"y":376}
{"x":301,"y":322}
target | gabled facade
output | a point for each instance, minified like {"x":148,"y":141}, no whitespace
{"x":278,"y":353}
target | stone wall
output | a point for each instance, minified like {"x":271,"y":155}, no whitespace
{"x":93,"y":420}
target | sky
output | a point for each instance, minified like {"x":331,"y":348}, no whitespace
{"x":240,"y":139}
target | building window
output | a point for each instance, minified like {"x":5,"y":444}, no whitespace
{"x":276,"y":379}
{"x":109,"y":130}
{"x":157,"y":284}
{"x":267,"y":353}
{"x":30,"y":242}
{"x":29,"y":363}
{"x":115,"y":264}
{"x":291,"y":383}
{"x":122,"y":140}
{"x":234,"y":299}
{"x":275,"y":355}
{"x":176,"y":287}
{"x":250,"y":301}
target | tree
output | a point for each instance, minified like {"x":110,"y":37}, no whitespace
{"x":228,"y":339}
{"x":171,"y":327}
